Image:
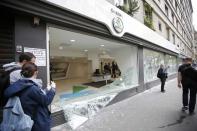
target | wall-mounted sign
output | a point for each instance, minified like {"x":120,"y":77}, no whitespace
{"x":40,"y":55}
{"x":118,"y":24}
{"x":19,"y":48}
{"x":116,"y":12}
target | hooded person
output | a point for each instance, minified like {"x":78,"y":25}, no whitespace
{"x":15,"y":74}
{"x":33,"y":99}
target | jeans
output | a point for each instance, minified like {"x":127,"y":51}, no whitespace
{"x":192,"y":101}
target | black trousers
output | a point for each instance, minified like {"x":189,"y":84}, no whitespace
{"x":189,"y":89}
{"x":163,"y":81}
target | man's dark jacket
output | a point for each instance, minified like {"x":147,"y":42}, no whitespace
{"x":161,"y":74}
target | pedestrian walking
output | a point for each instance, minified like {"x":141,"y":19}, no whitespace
{"x":188,"y":85}
{"x":34,"y":99}
{"x":162,"y":75}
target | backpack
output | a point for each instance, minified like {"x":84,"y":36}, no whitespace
{"x":159,"y":74}
{"x":4,"y":84}
{"x":190,"y":72}
{"x":14,"y":118}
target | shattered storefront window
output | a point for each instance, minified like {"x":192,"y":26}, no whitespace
{"x":79,"y":112}
{"x":81,"y":98}
{"x":83,"y":105}
{"x":171,"y":61}
{"x":152,"y":61}
{"x":124,"y":82}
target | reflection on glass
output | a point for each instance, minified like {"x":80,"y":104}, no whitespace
{"x":126,"y":80}
{"x":171,"y":61}
{"x":152,"y":61}
{"x":87,"y":69}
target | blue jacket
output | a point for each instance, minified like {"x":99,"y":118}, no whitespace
{"x":34,"y":102}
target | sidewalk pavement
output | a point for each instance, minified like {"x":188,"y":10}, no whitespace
{"x":147,"y":111}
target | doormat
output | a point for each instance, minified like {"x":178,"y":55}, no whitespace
{"x":78,"y":88}
{"x":98,"y":84}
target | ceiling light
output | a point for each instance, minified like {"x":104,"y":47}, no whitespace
{"x":72,"y":40}
{"x":60,"y":47}
{"x":102,"y":45}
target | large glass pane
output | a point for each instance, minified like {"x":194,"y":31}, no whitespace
{"x":89,"y":72}
{"x":152,"y":61}
{"x":171,"y":61}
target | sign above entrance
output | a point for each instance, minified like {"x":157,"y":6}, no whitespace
{"x":40,"y":55}
{"x":118,"y":24}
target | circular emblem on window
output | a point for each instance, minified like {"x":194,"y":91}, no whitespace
{"x":118,"y":24}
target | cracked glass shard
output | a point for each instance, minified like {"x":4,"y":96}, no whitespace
{"x":79,"y":112}
{"x":125,"y":81}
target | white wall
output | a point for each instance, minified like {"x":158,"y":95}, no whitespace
{"x":93,"y":56}
{"x":67,"y":53}
{"x":139,"y":15}
{"x":111,"y":1}
{"x":156,"y":20}
{"x":95,"y":60}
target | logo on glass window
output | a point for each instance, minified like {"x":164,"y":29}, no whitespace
{"x":118,"y":24}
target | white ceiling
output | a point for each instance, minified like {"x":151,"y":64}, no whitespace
{"x":59,"y":37}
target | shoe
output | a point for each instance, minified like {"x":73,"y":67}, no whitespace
{"x":184,"y":108}
{"x":191,"y":113}
{"x":163,"y":91}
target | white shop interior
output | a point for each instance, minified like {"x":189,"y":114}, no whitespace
{"x":81,"y":64}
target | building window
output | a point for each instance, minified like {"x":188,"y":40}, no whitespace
{"x":173,"y":37}
{"x":173,"y":18}
{"x":172,"y":2}
{"x":166,"y":10}
{"x":160,"y":28}
{"x":152,"y":61}
{"x":88,"y":65}
{"x":148,"y":19}
{"x":128,"y":6}
{"x":176,"y":5}
{"x":171,"y":61}
{"x":125,"y":2}
{"x":168,"y":33}
{"x":177,"y":24}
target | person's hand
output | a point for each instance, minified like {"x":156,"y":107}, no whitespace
{"x":179,"y":85}
{"x":48,"y":87}
{"x":53,"y":84}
